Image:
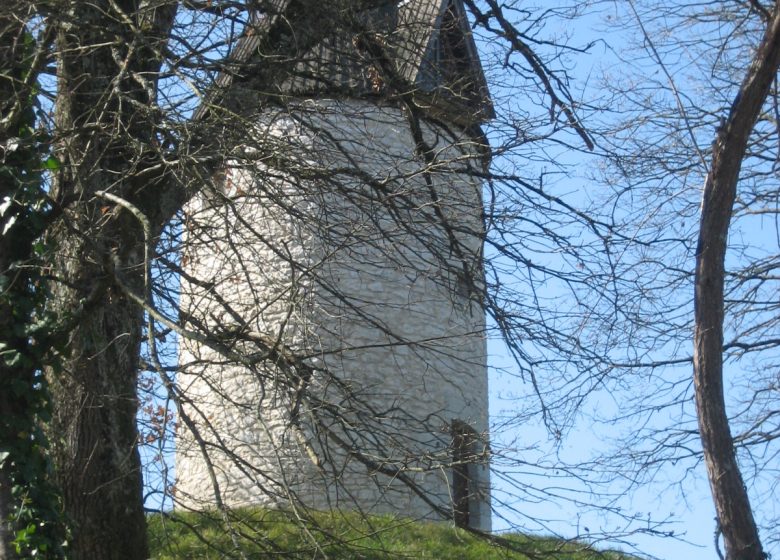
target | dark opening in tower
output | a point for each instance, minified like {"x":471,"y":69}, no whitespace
{"x":465,"y":455}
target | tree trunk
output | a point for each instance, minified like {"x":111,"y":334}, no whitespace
{"x":735,"y":515}
{"x":105,"y":133}
{"x":93,"y":430}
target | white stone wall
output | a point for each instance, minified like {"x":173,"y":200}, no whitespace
{"x":335,"y":243}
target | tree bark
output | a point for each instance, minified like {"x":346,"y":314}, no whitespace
{"x":93,"y":430}
{"x":107,"y":74}
{"x":734,"y":513}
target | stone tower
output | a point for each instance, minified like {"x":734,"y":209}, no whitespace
{"x":333,"y":281}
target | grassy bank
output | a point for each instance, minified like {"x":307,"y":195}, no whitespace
{"x":255,"y":535}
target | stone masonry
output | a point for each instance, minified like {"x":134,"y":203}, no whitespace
{"x":338,"y":272}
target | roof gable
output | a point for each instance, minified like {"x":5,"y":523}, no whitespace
{"x":443,"y":60}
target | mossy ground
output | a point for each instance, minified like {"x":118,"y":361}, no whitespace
{"x":255,"y":535}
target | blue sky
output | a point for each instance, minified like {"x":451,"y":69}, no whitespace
{"x":675,"y":490}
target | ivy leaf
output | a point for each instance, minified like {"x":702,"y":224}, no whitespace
{"x":52,"y":164}
{"x":39,"y":248}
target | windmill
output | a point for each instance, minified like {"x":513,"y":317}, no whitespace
{"x":336,"y":264}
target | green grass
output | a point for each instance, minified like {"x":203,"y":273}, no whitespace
{"x":259,"y":534}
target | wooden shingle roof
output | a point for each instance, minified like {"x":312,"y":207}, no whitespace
{"x":418,"y":48}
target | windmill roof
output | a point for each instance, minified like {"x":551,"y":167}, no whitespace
{"x":412,"y":38}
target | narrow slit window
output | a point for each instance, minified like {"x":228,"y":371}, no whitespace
{"x":464,"y":442}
